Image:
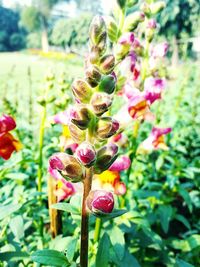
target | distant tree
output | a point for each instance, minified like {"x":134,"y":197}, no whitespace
{"x":36,"y":18}
{"x":180,"y":18}
{"x":9,"y":30}
{"x":71,"y":32}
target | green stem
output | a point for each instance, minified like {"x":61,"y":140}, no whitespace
{"x":41,"y":142}
{"x":121,"y":21}
{"x":97,"y":230}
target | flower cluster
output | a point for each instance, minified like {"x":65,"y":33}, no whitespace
{"x":8,"y":144}
{"x":89,"y":123}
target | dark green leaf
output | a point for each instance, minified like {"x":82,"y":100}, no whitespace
{"x":13,"y":255}
{"x":118,"y":242}
{"x":8,"y":210}
{"x":65,"y":207}
{"x":103,"y":251}
{"x":114,"y":214}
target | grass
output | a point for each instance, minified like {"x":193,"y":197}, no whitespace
{"x":14,"y":79}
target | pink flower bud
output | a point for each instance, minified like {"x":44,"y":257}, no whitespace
{"x":152,"y":24}
{"x":81,"y":116}
{"x":100,"y":202}
{"x":120,"y":164}
{"x":67,"y":165}
{"x":7,"y":124}
{"x":107,"y":127}
{"x":127,"y":38}
{"x":120,"y":188}
{"x":86,"y":154}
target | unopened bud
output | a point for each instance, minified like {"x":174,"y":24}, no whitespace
{"x":132,"y":21}
{"x":97,"y":30}
{"x":112,"y":28}
{"x":95,"y":54}
{"x":107,"y":84}
{"x":131,"y":3}
{"x":41,"y":100}
{"x":81,"y":116}
{"x":151,"y":24}
{"x":100,"y":103}
{"x":81,"y":90}
{"x":107,"y":127}
{"x":93,"y":76}
{"x":100,"y":202}
{"x":106,"y":155}
{"x":77,"y":135}
{"x":86,"y":154}
{"x":157,"y":7}
{"x":107,"y":64}
{"x":145,"y":8}
{"x":67,"y":165}
{"x":124,"y":45}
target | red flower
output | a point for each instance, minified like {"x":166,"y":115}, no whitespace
{"x":7,"y":124}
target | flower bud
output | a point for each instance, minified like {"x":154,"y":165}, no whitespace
{"x":107,"y":127}
{"x":151,"y":24}
{"x":100,"y":202}
{"x":81,"y":90}
{"x":95,"y":54}
{"x":93,"y":76}
{"x":41,"y":101}
{"x":131,"y":3}
{"x":100,"y":103}
{"x":121,"y":163}
{"x":145,"y":8}
{"x":97,"y":30}
{"x":81,"y":116}
{"x":107,"y":84}
{"x":124,"y":45}
{"x":107,"y":64}
{"x":86,"y":154}
{"x":67,"y":165}
{"x":120,"y":188}
{"x":112,"y":28}
{"x":132,"y":21}
{"x":76,"y":134}
{"x":106,"y":155}
{"x":157,"y":7}
{"x":7,"y":124}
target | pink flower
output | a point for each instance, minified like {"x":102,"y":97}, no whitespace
{"x":127,"y":38}
{"x":120,"y":164}
{"x":152,"y":24}
{"x":100,"y":201}
{"x":7,"y":124}
{"x":155,"y":140}
{"x":130,"y":91}
{"x":120,"y":188}
{"x":64,"y":190}
{"x":138,"y":107}
{"x":153,"y":88}
{"x":128,"y":64}
{"x":160,"y":50}
{"x":86,"y":153}
{"x":64,"y":117}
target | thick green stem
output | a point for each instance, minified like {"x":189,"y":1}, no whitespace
{"x":97,"y":230}
{"x":87,"y":183}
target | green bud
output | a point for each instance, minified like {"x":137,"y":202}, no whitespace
{"x":121,"y":51}
{"x":107,"y":127}
{"x":131,"y":3}
{"x":97,"y":30}
{"x":101,"y":103}
{"x":132,"y":21}
{"x":81,"y":90}
{"x":149,"y":34}
{"x":107,"y":64}
{"x":107,"y":84}
{"x":93,"y":76}
{"x":95,"y":54}
{"x":41,"y":101}
{"x":105,"y":157}
{"x":81,"y":116}
{"x":77,"y":135}
{"x":51,"y":99}
{"x":157,"y":7}
{"x":146,"y":9}
{"x":121,"y":3}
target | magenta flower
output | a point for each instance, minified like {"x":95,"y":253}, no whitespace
{"x":160,"y":50}
{"x":120,"y":164}
{"x":100,"y":201}
{"x":131,"y":92}
{"x":153,"y":88}
{"x":127,"y":38}
{"x":63,"y":117}
{"x":86,"y":153}
{"x":7,"y":123}
{"x":152,"y":24}
{"x":64,"y":190}
{"x":128,"y":64}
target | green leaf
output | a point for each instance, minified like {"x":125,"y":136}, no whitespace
{"x":50,"y":257}
{"x":185,"y":195}
{"x":65,"y":207}
{"x":8,"y":210}
{"x":13,"y":255}
{"x":114,"y":214}
{"x":182,"y":263}
{"x":184,"y":221}
{"x":71,"y":249}
{"x":118,"y":242}
{"x":165,"y":213}
{"x":17,"y":176}
{"x":129,"y":260}
{"x":121,"y":3}
{"x":103,"y":251}
{"x":17,"y":226}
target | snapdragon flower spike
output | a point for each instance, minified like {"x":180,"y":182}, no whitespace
{"x":86,"y":154}
{"x":68,"y":166}
{"x":81,"y":116}
{"x":120,"y":164}
{"x":108,"y":83}
{"x":100,"y":202}
{"x":101,"y":103}
{"x":7,"y":123}
{"x":81,"y":90}
{"x":107,"y":127}
{"x":153,"y":88}
{"x":105,"y":157}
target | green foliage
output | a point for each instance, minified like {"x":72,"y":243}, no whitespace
{"x":30,"y":19}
